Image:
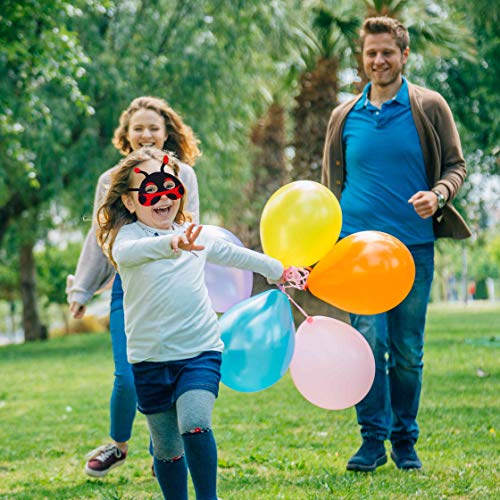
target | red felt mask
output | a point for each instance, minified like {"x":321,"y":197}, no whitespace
{"x":157,"y":184}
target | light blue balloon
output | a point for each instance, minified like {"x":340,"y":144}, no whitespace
{"x":259,"y":339}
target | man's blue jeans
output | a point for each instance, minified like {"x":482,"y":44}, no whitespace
{"x":389,"y":410}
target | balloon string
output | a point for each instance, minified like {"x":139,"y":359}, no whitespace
{"x":296,"y":278}
{"x":308,"y":318}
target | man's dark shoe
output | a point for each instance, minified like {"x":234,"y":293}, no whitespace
{"x":370,"y":456}
{"x":404,"y":455}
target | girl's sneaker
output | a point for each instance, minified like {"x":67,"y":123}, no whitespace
{"x":101,"y":460}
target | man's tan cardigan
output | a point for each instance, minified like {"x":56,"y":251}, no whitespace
{"x":444,"y":162}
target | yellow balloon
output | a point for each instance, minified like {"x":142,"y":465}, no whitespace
{"x":300,"y":223}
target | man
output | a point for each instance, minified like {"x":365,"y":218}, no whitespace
{"x":393,"y":158}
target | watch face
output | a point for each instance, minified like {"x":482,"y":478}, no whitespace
{"x":441,"y":199}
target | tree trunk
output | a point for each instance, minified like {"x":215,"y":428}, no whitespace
{"x":12,"y":309}
{"x":361,"y":73}
{"x":270,"y":173}
{"x":65,"y":318}
{"x":33,"y":329}
{"x":315,"y":102}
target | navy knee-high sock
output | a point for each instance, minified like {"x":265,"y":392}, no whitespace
{"x":201,"y":456}
{"x":172,"y":477}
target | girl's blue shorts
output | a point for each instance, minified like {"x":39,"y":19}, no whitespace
{"x":159,"y":384}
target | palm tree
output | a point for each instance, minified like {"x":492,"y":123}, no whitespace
{"x":434,"y":32}
{"x":331,"y":45}
{"x":325,"y":50}
{"x":270,"y":173}
{"x":268,"y":134}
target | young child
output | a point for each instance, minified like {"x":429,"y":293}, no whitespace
{"x":173,"y":337}
{"x":146,"y":121}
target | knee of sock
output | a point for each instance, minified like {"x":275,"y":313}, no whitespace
{"x":196,"y":430}
{"x":171,"y":459}
{"x":168,"y":451}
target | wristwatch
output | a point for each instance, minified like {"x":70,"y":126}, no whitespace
{"x":440,"y":197}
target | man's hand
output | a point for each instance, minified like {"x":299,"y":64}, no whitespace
{"x":186,"y":240}
{"x":425,"y":203}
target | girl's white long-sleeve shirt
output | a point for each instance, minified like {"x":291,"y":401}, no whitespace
{"x":94,"y":271}
{"x":168,"y":313}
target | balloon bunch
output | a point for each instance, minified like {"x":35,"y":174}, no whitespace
{"x":369,"y":272}
{"x":365,"y":273}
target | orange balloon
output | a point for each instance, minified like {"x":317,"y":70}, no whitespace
{"x":365,"y":273}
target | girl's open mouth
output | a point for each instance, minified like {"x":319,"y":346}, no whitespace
{"x":162,"y":210}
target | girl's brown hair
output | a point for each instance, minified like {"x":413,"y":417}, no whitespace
{"x":181,"y":139}
{"x":112,"y":214}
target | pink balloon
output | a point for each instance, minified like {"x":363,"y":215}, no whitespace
{"x":333,"y":365}
{"x":227,"y":286}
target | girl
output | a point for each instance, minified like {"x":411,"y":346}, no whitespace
{"x":146,"y":121}
{"x":173,"y":338}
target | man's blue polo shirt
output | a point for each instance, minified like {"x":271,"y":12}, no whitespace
{"x":384,"y":168}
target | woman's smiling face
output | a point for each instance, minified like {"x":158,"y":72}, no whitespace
{"x":160,"y":215}
{"x":146,"y":128}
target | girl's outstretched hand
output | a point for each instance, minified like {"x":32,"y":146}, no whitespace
{"x":186,"y":240}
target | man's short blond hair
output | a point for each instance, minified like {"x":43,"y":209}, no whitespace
{"x":384,"y":24}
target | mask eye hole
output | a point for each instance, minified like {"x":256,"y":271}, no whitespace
{"x":169,"y":184}
{"x":151,"y":188}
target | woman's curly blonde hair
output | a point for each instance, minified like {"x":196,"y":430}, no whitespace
{"x":181,"y":139}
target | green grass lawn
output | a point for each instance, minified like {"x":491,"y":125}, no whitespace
{"x":273,"y":444}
